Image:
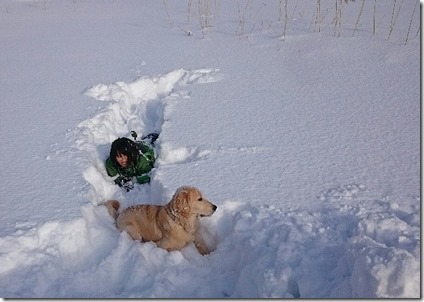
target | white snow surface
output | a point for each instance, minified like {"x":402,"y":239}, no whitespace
{"x":308,"y":143}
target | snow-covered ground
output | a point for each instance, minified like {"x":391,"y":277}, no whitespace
{"x":303,"y":130}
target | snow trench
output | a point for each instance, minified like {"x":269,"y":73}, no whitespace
{"x":350,"y":245}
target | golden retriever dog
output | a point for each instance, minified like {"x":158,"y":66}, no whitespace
{"x":171,"y":226}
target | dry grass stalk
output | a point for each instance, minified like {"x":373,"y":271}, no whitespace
{"x":318,"y":16}
{"x":167,"y":13}
{"x":394,"y":17}
{"x":286,"y":18}
{"x":338,"y":18}
{"x":359,"y":16}
{"x":242,"y":17}
{"x":410,"y":23}
{"x":374,"y":18}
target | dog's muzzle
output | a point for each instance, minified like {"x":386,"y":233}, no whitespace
{"x":214,"y":207}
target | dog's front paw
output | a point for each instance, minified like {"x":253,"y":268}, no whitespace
{"x":202,"y":248}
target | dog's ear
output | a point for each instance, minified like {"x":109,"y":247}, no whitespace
{"x":181,"y":203}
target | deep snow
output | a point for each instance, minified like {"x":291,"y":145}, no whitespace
{"x":309,"y":144}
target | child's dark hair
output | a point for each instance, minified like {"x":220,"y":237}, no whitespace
{"x":126,"y":147}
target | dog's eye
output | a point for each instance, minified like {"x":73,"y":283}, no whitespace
{"x":200,"y":199}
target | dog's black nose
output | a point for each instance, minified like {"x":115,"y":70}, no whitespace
{"x":214,"y":207}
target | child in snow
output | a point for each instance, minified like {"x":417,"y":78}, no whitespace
{"x":130,"y":162}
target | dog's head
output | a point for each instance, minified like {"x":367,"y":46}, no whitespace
{"x":189,"y":201}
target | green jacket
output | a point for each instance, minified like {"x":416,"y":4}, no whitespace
{"x":140,"y":169}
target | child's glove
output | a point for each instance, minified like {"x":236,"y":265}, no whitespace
{"x":126,"y":183}
{"x":129,"y":185}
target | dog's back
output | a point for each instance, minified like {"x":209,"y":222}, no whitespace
{"x":141,"y":222}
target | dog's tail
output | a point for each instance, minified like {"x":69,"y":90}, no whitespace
{"x":112,"y":207}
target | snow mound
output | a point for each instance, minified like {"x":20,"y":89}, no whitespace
{"x":338,"y":250}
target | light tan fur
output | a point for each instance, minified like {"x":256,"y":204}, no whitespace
{"x":171,"y":226}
